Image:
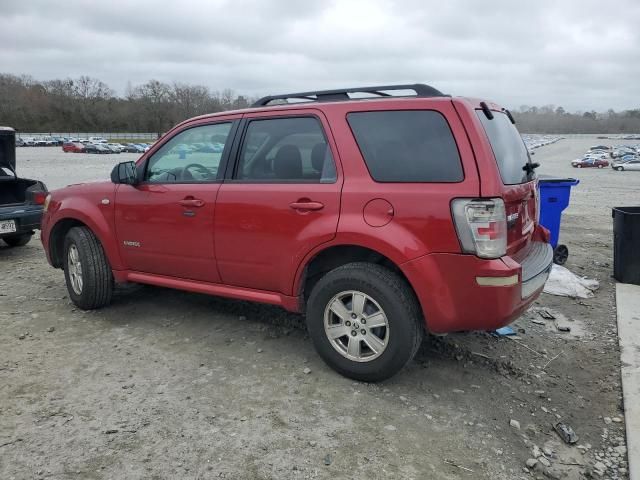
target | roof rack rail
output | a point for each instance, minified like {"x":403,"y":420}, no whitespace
{"x":342,"y":94}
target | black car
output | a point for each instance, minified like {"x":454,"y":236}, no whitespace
{"x":21,"y":199}
{"x":95,"y":148}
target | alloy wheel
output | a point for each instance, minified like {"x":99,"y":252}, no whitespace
{"x":356,"y":326}
{"x":74,"y":267}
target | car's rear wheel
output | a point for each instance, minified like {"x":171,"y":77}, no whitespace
{"x":18,"y":240}
{"x":599,"y":166}
{"x":365,"y":321}
{"x":620,"y":169}
{"x":579,"y":166}
{"x":86,"y":270}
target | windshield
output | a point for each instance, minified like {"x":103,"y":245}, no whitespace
{"x":508,"y":148}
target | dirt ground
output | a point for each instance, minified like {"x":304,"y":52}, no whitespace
{"x":166,"y":384}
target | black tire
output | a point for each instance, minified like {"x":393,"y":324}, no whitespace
{"x":97,"y":279}
{"x":396,"y":299}
{"x":18,"y":240}
{"x":621,"y":169}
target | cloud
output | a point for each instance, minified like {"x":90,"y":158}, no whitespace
{"x":578,"y":54}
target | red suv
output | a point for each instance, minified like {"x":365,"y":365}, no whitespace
{"x":378,"y":212}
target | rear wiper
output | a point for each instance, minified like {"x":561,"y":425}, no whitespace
{"x":530,"y":167}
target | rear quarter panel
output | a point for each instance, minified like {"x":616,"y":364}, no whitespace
{"x":421,"y":220}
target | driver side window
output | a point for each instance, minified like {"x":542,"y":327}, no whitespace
{"x":193,"y":155}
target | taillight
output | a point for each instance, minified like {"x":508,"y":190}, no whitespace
{"x":36,"y":193}
{"x":39,"y":198}
{"x":481,"y":225}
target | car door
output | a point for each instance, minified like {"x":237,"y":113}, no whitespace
{"x":281,"y":199}
{"x":165,"y":223}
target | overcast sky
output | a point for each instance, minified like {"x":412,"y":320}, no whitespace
{"x":581,"y":54}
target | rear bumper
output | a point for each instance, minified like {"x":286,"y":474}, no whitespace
{"x":463,"y":292}
{"x":27,"y":218}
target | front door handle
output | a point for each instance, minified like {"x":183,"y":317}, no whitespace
{"x":191,"y":202}
{"x":306,"y":206}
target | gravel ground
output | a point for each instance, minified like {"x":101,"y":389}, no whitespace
{"x":167,"y":384}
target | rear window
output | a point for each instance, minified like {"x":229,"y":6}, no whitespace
{"x":407,"y":146}
{"x":508,"y":148}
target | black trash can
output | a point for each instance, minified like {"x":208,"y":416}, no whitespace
{"x":626,"y":244}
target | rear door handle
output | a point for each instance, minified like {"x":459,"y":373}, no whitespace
{"x":306,"y":206}
{"x":191,"y":202}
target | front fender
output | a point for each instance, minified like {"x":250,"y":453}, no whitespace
{"x":97,"y":217}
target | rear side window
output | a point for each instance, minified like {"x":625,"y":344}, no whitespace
{"x":508,"y":148}
{"x":292,"y":149}
{"x":407,"y":146}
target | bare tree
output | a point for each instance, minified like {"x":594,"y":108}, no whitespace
{"x":88,"y":104}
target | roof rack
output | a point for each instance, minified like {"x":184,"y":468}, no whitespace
{"x":342,"y":94}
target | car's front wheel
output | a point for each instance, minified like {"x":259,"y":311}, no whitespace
{"x":86,"y":270}
{"x":18,"y":240}
{"x":365,"y":321}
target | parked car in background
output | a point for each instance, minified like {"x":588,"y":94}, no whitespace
{"x":96,"y":140}
{"x":596,"y":156}
{"x":600,"y":147}
{"x":44,"y":142}
{"x":21,"y":199}
{"x":589,"y":163}
{"x":622,"y":151}
{"x":72,"y":147}
{"x":377,"y":218}
{"x":142,"y":147}
{"x":96,"y":148}
{"x":116,"y":147}
{"x":112,"y":147}
{"x":633,"y":164}
{"x":132,"y":148}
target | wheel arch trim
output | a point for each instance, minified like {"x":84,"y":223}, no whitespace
{"x":94,"y":220}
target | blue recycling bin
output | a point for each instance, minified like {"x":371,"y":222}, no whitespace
{"x":554,"y":198}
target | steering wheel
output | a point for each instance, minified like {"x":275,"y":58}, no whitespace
{"x":204,"y":171}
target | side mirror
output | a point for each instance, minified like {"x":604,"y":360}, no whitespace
{"x":125,"y":172}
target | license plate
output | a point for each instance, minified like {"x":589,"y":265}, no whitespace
{"x":7,"y":226}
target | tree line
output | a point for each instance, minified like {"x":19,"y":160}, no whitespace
{"x":551,"y":119}
{"x":87,"y":104}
